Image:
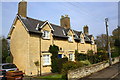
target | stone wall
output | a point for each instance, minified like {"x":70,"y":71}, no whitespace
{"x":85,"y":71}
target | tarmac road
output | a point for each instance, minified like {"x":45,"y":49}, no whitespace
{"x":109,"y":73}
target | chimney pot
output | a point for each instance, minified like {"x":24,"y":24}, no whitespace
{"x":62,"y":16}
{"x":66,"y":15}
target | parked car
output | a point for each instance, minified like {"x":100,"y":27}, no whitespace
{"x":8,"y":67}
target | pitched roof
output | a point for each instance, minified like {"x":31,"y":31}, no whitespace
{"x":31,"y":25}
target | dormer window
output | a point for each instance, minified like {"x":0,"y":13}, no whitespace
{"x":82,"y":39}
{"x":63,"y":32}
{"x":46,"y":35}
{"x":75,"y":36}
{"x":92,"y":42}
{"x":70,"y":39}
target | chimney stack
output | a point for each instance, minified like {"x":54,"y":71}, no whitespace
{"x":65,"y":21}
{"x":22,"y":8}
{"x":85,"y":29}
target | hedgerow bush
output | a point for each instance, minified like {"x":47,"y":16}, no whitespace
{"x":80,"y":56}
{"x":57,"y":63}
{"x":115,"y":54}
{"x":70,"y":65}
{"x":91,"y":57}
{"x":9,"y":59}
{"x":60,"y":62}
{"x":53,"y":49}
{"x":85,"y":62}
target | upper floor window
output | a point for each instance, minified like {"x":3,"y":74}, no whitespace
{"x":82,"y":40}
{"x":92,"y":42}
{"x":70,"y":39}
{"x":75,"y":36}
{"x":46,"y":35}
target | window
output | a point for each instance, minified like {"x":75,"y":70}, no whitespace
{"x":71,"y":57}
{"x":92,"y":42}
{"x":63,"y":32}
{"x":46,"y":35}
{"x":70,"y":39}
{"x":75,"y":36}
{"x":82,"y":40}
{"x":46,"y":59}
{"x":59,"y":55}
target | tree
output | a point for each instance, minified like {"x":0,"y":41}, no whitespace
{"x":116,"y":37}
{"x":5,"y":48}
{"x":101,"y":42}
{"x":116,"y":33}
{"x":54,"y":58}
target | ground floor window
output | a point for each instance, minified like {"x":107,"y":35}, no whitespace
{"x":59,"y":55}
{"x":71,"y":57}
{"x":46,"y":59}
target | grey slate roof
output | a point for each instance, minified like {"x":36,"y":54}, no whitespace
{"x":59,"y":31}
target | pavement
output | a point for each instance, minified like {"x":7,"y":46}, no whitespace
{"x":109,"y":73}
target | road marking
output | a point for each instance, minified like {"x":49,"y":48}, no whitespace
{"x":114,"y":75}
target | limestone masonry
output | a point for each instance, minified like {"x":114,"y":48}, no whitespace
{"x":30,"y":40}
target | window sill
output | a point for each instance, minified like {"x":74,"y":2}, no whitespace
{"x":46,"y":65}
{"x":82,"y":43}
{"x":70,"y":41}
{"x":46,"y":38}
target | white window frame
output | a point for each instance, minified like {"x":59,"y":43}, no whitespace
{"x":46,"y":59}
{"x":46,"y":34}
{"x":82,"y":40}
{"x":70,"y":39}
{"x":93,"y":42}
{"x":71,"y":57}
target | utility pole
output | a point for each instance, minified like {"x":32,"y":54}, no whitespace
{"x":108,"y":43}
{"x":119,"y":41}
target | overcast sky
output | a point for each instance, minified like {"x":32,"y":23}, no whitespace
{"x":80,"y":13}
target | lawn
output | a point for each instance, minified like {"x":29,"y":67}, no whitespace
{"x":52,"y":77}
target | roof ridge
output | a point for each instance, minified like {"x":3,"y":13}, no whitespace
{"x":76,"y":30}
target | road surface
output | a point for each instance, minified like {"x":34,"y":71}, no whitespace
{"x":109,"y":73}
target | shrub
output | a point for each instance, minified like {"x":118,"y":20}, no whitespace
{"x":70,"y":65}
{"x":60,"y":62}
{"x":86,"y":62}
{"x":54,"y":50}
{"x":54,"y":65}
{"x":115,"y":54}
{"x":80,"y":56}
{"x":9,"y":59}
{"x":90,"y":52}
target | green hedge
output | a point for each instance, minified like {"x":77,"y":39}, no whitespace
{"x":86,"y":62}
{"x":70,"y":65}
{"x":80,"y":56}
{"x":91,"y":57}
{"x":9,"y":59}
{"x":115,"y":54}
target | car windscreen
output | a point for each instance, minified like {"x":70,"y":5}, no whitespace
{"x":9,"y":66}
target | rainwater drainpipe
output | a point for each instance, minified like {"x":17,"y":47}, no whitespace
{"x":40,"y":54}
